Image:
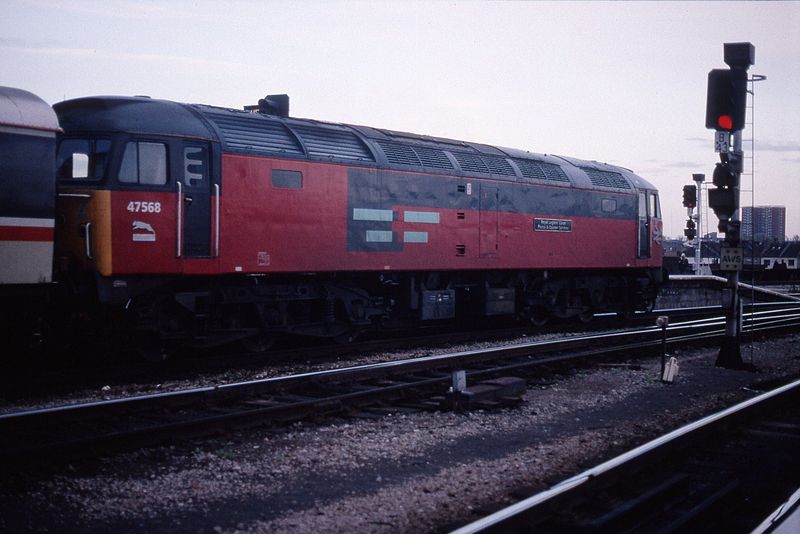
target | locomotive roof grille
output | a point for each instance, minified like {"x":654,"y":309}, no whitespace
{"x":471,"y":162}
{"x":399,"y":154}
{"x":539,"y":170}
{"x":240,"y":131}
{"x":606,"y":178}
{"x":417,"y":156}
{"x":253,"y":133}
{"x":430,"y":157}
{"x":484,"y":164}
{"x":327,"y":142}
{"x":419,"y":138}
{"x":421,"y":156}
{"x":499,"y":166}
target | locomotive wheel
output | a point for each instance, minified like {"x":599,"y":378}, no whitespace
{"x":346,"y":337}
{"x":258,"y":343}
{"x":586,"y":316}
{"x":539,"y":318}
{"x":150,"y":349}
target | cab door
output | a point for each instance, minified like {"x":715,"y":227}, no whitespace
{"x":644,"y":226}
{"x":488,"y":221}
{"x":196,"y":200}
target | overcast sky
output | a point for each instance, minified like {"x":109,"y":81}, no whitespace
{"x":623,"y":83}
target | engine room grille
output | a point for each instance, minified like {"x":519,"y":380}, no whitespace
{"x":606,"y":178}
{"x":399,"y":154}
{"x":484,"y":164}
{"x":417,"y":156}
{"x":499,"y":166}
{"x":430,"y":157}
{"x":253,"y":133}
{"x":539,"y":170}
{"x":331,"y":143}
{"x":471,"y":162}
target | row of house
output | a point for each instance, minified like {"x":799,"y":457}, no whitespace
{"x":765,"y":259}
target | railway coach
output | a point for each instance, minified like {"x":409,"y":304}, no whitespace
{"x":28,"y":128}
{"x":209,"y":225}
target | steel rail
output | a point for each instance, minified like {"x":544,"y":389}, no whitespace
{"x":521,"y":515}
{"x":202,"y":410}
{"x":192,"y":395}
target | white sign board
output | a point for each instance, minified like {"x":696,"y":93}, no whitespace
{"x":731,"y":259}
{"x":721,"y":141}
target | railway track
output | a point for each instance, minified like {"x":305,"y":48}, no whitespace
{"x":49,"y":375}
{"x":420,"y":383}
{"x":724,"y":473}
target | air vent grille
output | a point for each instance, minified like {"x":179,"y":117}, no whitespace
{"x":417,"y":156}
{"x":471,"y":162}
{"x":332,"y":143}
{"x":499,"y":166}
{"x":606,"y":178}
{"x":539,"y":170}
{"x":431,"y":157}
{"x":399,"y":154}
{"x":254,"y":133}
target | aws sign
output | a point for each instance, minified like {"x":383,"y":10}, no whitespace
{"x":731,"y":259}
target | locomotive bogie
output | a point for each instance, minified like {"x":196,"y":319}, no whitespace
{"x":211,"y":311}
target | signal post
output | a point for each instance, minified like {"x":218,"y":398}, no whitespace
{"x":698,"y":249}
{"x":725,"y":114}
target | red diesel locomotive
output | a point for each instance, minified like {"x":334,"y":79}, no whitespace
{"x":204,"y":225}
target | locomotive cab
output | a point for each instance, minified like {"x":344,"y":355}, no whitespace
{"x":137,"y":202}
{"x":649,"y":224}
{"x":81,"y":207}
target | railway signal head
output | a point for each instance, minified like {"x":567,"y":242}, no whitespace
{"x":690,"y":231}
{"x":732,"y":233}
{"x":726,"y":99}
{"x":725,"y":175}
{"x":739,"y":55}
{"x":723,"y":202}
{"x":689,"y":196}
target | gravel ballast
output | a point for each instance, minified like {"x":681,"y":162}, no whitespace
{"x":403,"y":472}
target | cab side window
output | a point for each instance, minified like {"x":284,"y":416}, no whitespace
{"x":655,"y":209}
{"x":83,"y":159}
{"x":144,"y":163}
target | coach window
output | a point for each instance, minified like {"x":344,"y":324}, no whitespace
{"x":144,"y":163}
{"x":609,"y":205}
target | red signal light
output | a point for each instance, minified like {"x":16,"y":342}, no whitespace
{"x":725,"y":122}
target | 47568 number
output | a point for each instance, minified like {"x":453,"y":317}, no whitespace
{"x":136,"y":206}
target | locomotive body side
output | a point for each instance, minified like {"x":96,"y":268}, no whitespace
{"x":258,"y":208}
{"x":206,"y":219}
{"x":353,"y":219}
